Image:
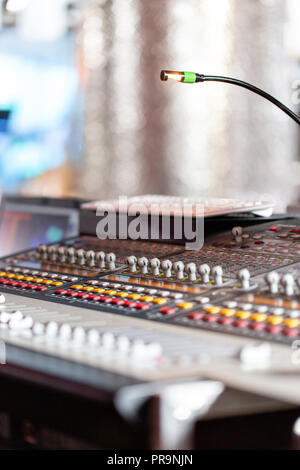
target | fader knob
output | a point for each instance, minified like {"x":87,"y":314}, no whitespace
{"x":179,"y":269}
{"x":81,"y":256}
{"x":111,"y":261}
{"x":143,"y":264}
{"x":62,"y":254}
{"x":191,"y":270}
{"x":217,"y":272}
{"x":288,"y":282}
{"x":237,"y":234}
{"x":166,"y":266}
{"x":42,"y":250}
{"x":131,"y":263}
{"x":272,"y":279}
{"x":155,"y":264}
{"x":100,"y":257}
{"x":71,"y":255}
{"x":52,"y":253}
{"x":2,"y":299}
{"x":90,"y":256}
{"x":204,"y":270}
{"x":244,"y":277}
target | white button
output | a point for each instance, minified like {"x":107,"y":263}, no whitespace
{"x":229,"y":303}
{"x":262,"y":308}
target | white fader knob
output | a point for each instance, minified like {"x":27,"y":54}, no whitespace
{"x":237,"y":234}
{"x":179,"y":269}
{"x":111,"y":261}
{"x":288,"y":282}
{"x":2,"y":299}
{"x":143,"y":264}
{"x":217,"y":272}
{"x":272,"y":279}
{"x":100,"y":257}
{"x":191,"y":270}
{"x":71,"y":255}
{"x":81,"y":256}
{"x":244,"y":277}
{"x":90,"y":256}
{"x":131,"y":263}
{"x":166,"y":266}
{"x":62,"y":254}
{"x":204,"y":270}
{"x":155,"y":264}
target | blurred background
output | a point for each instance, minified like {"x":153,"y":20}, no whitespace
{"x":83,"y":112}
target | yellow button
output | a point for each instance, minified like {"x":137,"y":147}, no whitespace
{"x":47,"y":281}
{"x":37,"y":279}
{"x":291,"y":322}
{"x":57,"y":283}
{"x":134,"y":296}
{"x":11,"y":276}
{"x":28,"y":278}
{"x":110,"y":292}
{"x":228,"y":312}
{"x":147,"y":298}
{"x":274,"y":319}
{"x":87,"y":288}
{"x":159,"y":301}
{"x":98,"y":290}
{"x":122,"y":294}
{"x":77,"y":286}
{"x":243,"y":314}
{"x":185,"y":305}
{"x":212,"y":309}
{"x":259,"y":317}
{"x":19,"y":276}
{"x":3,"y":273}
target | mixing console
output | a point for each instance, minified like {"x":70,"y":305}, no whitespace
{"x":154,"y":310}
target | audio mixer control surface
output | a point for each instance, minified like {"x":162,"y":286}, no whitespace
{"x":154,"y":311}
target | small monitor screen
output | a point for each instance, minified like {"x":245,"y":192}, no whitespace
{"x":26,"y":226}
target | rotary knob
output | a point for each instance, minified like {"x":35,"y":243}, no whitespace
{"x":81,"y":256}
{"x":204,"y":271}
{"x":143,"y":264}
{"x":71,"y":255}
{"x":191,"y":270}
{"x":288,"y":282}
{"x":155,"y":264}
{"x":131,"y":262}
{"x":217,"y":272}
{"x":90,"y":256}
{"x":237,"y":233}
{"x":111,"y":261}
{"x":244,"y":277}
{"x":273,"y":279}
{"x":100,"y":257}
{"x":62,"y":254}
{"x":166,"y":266}
{"x":179,"y":269}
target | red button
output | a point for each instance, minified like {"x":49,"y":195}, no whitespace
{"x":225,"y":321}
{"x":107,"y":300}
{"x":295,"y":230}
{"x":70,"y":293}
{"x":60,"y":291}
{"x":241,"y":323}
{"x":142,"y":306}
{"x":128,"y":303}
{"x":257,"y":326}
{"x":195,"y":316}
{"x":5,"y":281}
{"x":95,"y":297}
{"x":274,"y":229}
{"x":29,"y":286}
{"x":291,"y":333}
{"x":81,"y":295}
{"x":41,"y":288}
{"x":117,"y":301}
{"x":167,"y":311}
{"x":13,"y":284}
{"x":210,"y":318}
{"x":273,"y":329}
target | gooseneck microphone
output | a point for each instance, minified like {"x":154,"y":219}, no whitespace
{"x":192,"y":77}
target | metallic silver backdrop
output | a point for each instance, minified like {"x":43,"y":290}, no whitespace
{"x":146,"y":136}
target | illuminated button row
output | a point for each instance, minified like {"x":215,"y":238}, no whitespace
{"x":240,"y":319}
{"x":22,"y":277}
{"x":103,"y":299}
{"x":22,"y":285}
